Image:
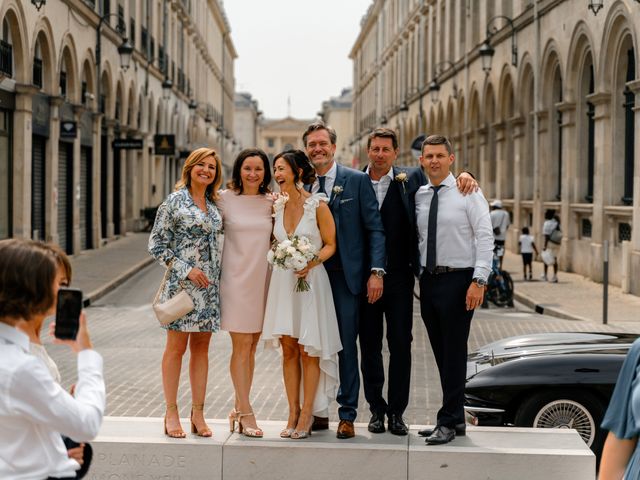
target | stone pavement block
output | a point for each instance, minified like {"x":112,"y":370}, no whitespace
{"x":488,"y":453}
{"x":136,"y":449}
{"x":318,"y":457}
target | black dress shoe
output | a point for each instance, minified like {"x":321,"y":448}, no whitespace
{"x":460,"y":428}
{"x":397,"y":425}
{"x":320,"y":423}
{"x":441,"y":435}
{"x":376,"y":424}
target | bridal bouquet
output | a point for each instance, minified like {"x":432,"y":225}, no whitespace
{"x":293,"y":254}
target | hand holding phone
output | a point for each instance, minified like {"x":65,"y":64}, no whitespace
{"x":82,"y":340}
{"x":68,"y":310}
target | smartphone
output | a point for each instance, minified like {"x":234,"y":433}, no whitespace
{"x":68,"y":313}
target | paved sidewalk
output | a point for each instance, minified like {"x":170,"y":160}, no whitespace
{"x":99,"y":271}
{"x":574,"y":297}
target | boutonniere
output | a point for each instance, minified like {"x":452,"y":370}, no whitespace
{"x":402,"y":178}
{"x":279,"y":203}
{"x":337,"y":190}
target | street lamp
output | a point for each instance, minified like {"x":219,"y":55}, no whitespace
{"x":39,"y":4}
{"x":596,"y":5}
{"x":383,"y":120}
{"x":193,"y":105}
{"x":167,"y":85}
{"x":486,"y":50}
{"x":125,"y":50}
{"x":434,"y":86}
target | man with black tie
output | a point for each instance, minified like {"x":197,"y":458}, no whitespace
{"x":356,"y":267}
{"x":456,"y":249}
{"x":395,"y":189}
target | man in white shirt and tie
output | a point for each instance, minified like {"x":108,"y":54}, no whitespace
{"x":455,"y":241}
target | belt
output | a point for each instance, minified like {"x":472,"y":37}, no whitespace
{"x":439,"y":270}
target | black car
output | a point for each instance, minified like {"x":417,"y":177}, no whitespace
{"x":546,"y":380}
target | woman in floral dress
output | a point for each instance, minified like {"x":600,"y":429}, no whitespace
{"x":187,"y":238}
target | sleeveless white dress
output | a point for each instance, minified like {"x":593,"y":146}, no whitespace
{"x":308,"y":316}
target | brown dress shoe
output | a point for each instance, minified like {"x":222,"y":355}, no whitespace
{"x":345,"y":429}
{"x":320,"y":423}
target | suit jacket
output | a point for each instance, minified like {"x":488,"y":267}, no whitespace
{"x":414,"y":179}
{"x":359,"y":230}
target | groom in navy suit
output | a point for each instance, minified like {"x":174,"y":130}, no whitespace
{"x":358,"y":264}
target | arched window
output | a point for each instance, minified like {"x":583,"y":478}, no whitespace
{"x":6,"y":51}
{"x":37,"y":66}
{"x":629,"y":127}
{"x":591,"y":138}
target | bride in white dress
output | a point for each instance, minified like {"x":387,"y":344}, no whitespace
{"x":303,"y":323}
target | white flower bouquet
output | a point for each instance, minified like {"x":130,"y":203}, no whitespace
{"x":293,"y":254}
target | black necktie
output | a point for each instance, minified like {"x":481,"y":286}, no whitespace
{"x":321,"y":180}
{"x":432,"y":230}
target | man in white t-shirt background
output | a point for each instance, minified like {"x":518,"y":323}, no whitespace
{"x":500,"y":222}
{"x":527,"y":248}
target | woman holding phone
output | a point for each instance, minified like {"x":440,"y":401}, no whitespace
{"x":187,"y":239}
{"x":34,"y":410}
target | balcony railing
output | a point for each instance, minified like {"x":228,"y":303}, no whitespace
{"x":6,"y":58}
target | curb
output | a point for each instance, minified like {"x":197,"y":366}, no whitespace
{"x":118,"y":280}
{"x":542,"y":310}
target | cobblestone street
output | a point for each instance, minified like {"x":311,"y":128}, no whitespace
{"x":125,"y":331}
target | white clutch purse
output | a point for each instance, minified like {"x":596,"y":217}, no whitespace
{"x":174,"y":308}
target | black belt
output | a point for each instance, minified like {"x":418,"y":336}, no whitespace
{"x":439,"y":270}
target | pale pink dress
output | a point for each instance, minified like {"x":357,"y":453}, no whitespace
{"x":245,"y":273}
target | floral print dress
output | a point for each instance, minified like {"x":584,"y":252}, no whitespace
{"x":184,"y":237}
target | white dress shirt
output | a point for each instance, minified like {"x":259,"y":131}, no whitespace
{"x":35,"y":410}
{"x":464,"y":236}
{"x":329,"y":180}
{"x":381,"y":187}
{"x":500,"y":219}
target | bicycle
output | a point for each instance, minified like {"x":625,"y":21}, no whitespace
{"x":499,"y":286}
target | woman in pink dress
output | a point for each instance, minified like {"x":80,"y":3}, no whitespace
{"x":246,"y":210}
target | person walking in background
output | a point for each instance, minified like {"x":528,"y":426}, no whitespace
{"x":303,"y":323}
{"x":246,"y":213}
{"x":34,"y":409}
{"x":500,"y":222}
{"x":552,"y":239}
{"x":395,"y":189}
{"x":456,"y":249}
{"x":187,"y":239}
{"x":527,"y":248}
{"x":358,"y":264}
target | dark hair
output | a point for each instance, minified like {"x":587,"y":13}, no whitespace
{"x":236,"y":181}
{"x":437,"y":140}
{"x":297,"y":159}
{"x":525,"y":230}
{"x":314,"y":127}
{"x":27,"y":273}
{"x":549,"y":214}
{"x":383,"y":133}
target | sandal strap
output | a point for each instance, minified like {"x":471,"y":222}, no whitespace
{"x":172,"y":406}
{"x":197,"y":406}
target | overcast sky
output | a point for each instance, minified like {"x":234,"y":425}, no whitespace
{"x":294,"y":48}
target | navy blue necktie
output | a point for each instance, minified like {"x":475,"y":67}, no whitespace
{"x":321,"y":180}
{"x":432,"y":230}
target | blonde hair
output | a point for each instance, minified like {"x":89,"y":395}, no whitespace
{"x":192,"y":160}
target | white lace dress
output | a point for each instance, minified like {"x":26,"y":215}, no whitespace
{"x":308,"y":316}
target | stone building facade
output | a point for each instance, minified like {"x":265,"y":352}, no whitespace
{"x":552,"y":123}
{"x":77,"y":159}
{"x":337,"y":112}
{"x":245,"y":120}
{"x":278,"y":134}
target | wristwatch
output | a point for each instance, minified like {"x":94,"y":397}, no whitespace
{"x":481,"y":282}
{"x":378,"y":272}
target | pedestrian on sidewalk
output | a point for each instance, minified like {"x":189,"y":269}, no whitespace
{"x":187,"y":238}
{"x":552,"y":238}
{"x":500,"y":222}
{"x":527,"y":248}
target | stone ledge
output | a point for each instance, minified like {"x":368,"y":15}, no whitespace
{"x":133,"y":448}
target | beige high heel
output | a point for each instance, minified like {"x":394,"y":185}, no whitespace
{"x":300,"y":434}
{"x":205,"y":432}
{"x":247,"y":431}
{"x":177,"y":433}
{"x":286,"y":432}
{"x":232,"y":420}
